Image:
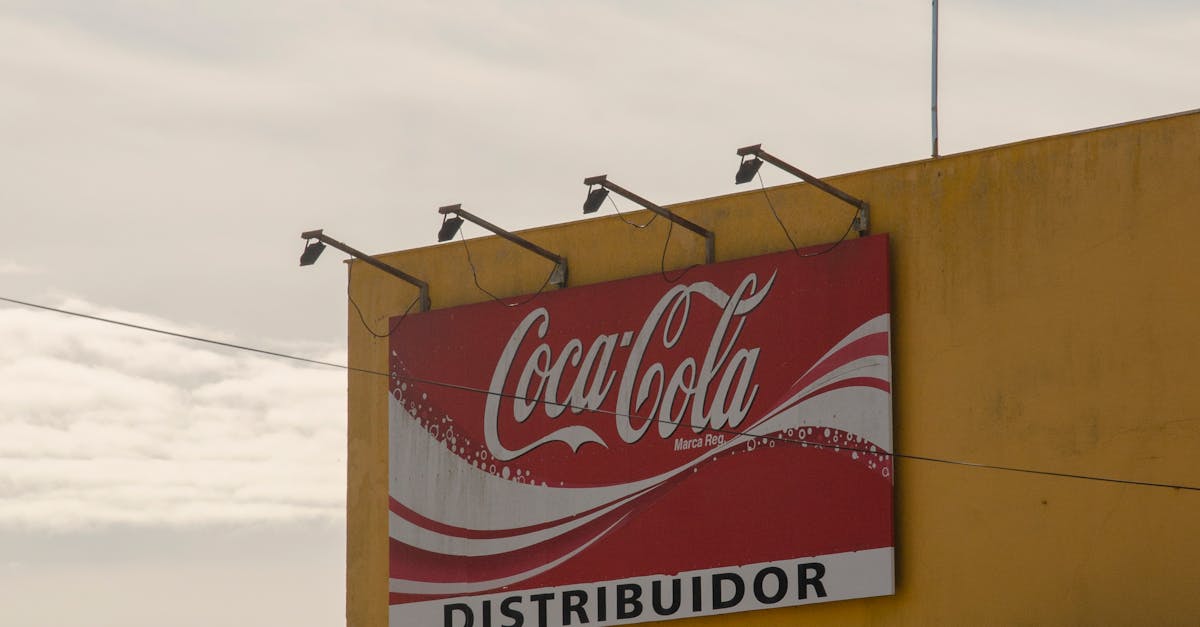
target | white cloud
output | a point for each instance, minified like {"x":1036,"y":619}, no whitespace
{"x":14,"y":268}
{"x":136,"y":576}
{"x":102,"y":424}
{"x":184,"y":147}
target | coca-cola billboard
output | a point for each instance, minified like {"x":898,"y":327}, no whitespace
{"x":642,"y":450}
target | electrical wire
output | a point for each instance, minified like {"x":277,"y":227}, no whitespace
{"x":363,"y":319}
{"x":771,"y":205}
{"x":474,"y":390}
{"x":796,"y":249}
{"x":662,"y":262}
{"x":184,"y":336}
{"x":475,"y":278}
{"x":816,"y":445}
{"x":635,"y":225}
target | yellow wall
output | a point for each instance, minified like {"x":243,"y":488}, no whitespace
{"x":1045,"y":315}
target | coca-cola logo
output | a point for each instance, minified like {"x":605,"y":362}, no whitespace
{"x":711,"y":391}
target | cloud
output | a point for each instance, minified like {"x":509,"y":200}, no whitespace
{"x":1012,"y":71}
{"x":105,"y":425}
{"x":195,"y":142}
{"x":13,"y":268}
{"x":280,"y":573}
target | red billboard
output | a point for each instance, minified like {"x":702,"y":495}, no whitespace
{"x":644,"y":450}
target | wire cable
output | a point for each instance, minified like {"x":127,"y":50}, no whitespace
{"x":796,"y":249}
{"x":787,"y":440}
{"x":363,"y":319}
{"x":817,"y":445}
{"x":474,"y":390}
{"x":185,"y":336}
{"x":771,"y":205}
{"x":475,"y":278}
{"x":662,"y":263}
{"x":635,"y":225}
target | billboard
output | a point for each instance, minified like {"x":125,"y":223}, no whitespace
{"x":646,"y":449}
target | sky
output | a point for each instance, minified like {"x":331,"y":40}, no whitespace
{"x":160,"y":159}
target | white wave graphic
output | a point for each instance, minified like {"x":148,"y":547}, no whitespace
{"x":879,"y":324}
{"x":436,"y":542}
{"x":434,"y":482}
{"x":408,"y":586}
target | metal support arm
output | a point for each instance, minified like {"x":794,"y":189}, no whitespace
{"x":559,"y":278}
{"x":320,"y":236}
{"x":709,"y":236}
{"x":862,"y":222}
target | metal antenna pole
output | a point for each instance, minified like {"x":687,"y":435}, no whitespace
{"x":933,"y":83}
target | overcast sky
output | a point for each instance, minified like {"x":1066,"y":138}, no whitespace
{"x":159,"y":160}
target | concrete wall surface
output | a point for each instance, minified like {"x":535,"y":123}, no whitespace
{"x":1045,"y":316}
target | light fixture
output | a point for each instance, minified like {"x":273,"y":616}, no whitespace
{"x":451,"y":225}
{"x":313,"y":250}
{"x":595,"y":198}
{"x":862,"y":221}
{"x":607,"y":186}
{"x":747,"y":170}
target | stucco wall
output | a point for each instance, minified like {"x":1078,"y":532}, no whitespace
{"x":1045,"y":301}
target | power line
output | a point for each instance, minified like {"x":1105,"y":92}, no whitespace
{"x":183,"y":336}
{"x":474,"y":390}
{"x":818,"y":445}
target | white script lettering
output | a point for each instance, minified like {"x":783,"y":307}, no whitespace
{"x":661,"y":398}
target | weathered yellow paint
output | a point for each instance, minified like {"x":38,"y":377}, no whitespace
{"x":1045,"y":305}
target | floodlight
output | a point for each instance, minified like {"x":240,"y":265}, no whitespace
{"x":449,"y":228}
{"x":595,"y":198}
{"x":747,"y":170}
{"x":312,"y":251}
